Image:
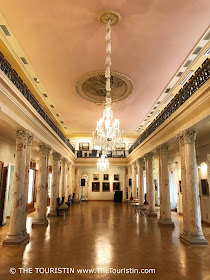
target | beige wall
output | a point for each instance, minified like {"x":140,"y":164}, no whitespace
{"x":111,"y":171}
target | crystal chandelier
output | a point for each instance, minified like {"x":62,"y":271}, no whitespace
{"x":103,"y":163}
{"x":107,"y":134}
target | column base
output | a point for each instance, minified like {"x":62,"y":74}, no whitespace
{"x":38,"y":223}
{"x":52,"y":214}
{"x":165,"y":222}
{"x":151,"y":214}
{"x":193,"y":240}
{"x":15,"y":240}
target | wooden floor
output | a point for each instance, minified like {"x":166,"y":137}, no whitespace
{"x":106,"y":235}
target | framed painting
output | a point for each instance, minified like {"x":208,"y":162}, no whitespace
{"x":106,"y":177}
{"x":106,"y":187}
{"x":95,"y":186}
{"x":95,"y":177}
{"x":116,"y":186}
{"x":205,"y":187}
{"x":116,"y":177}
{"x":84,"y":146}
{"x":120,"y":147}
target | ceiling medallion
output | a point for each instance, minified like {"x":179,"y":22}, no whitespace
{"x":92,"y":86}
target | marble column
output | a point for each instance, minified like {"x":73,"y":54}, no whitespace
{"x":183,"y":185}
{"x":165,"y":205}
{"x":124,"y":183}
{"x":129,"y":177}
{"x":134,"y":180}
{"x":195,"y":234}
{"x":73,"y":178}
{"x":140,"y":168}
{"x":25,"y":206}
{"x":62,"y":191}
{"x":14,"y":236}
{"x":150,"y":185}
{"x":55,"y":183}
{"x":68,"y":187}
{"x":77,"y":183}
{"x":41,"y":206}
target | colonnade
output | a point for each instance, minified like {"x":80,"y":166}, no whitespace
{"x":63,"y":179}
{"x":192,"y":229}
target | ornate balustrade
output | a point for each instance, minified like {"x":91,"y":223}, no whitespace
{"x":201,"y":76}
{"x":97,"y":154}
{"x":18,"y":82}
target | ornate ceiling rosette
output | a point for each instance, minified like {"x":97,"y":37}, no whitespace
{"x":92,"y":87}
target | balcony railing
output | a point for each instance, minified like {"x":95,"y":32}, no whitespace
{"x":18,"y":82}
{"x":201,"y":77}
{"x":97,"y":154}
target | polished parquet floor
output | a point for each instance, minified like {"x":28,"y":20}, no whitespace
{"x":106,"y":235}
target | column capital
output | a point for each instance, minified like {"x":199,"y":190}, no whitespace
{"x":163,"y":149}
{"x":148,"y":156}
{"x":140,"y":161}
{"x":64,"y":160}
{"x":180,"y":138}
{"x":30,"y":138}
{"x":189,"y":136}
{"x":21,"y":134}
{"x":56,"y":156}
{"x":44,"y":148}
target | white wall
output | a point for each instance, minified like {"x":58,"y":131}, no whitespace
{"x":111,"y":171}
{"x":7,"y":152}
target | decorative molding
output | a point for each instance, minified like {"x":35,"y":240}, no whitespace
{"x":44,"y":148}
{"x":92,"y":87}
{"x":202,"y":75}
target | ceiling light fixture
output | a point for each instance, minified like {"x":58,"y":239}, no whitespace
{"x":107,"y":135}
{"x":103,"y":163}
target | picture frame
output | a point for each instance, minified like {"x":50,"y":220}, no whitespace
{"x":84,"y":146}
{"x":95,"y":177}
{"x":95,"y":186}
{"x":106,"y":187}
{"x":116,"y":186}
{"x":106,"y":177}
{"x":120,"y":147}
{"x":205,"y":187}
{"x":116,"y":177}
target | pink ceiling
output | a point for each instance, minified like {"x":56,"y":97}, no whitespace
{"x":64,"y":40}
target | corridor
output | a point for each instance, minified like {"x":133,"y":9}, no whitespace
{"x":101,"y":235}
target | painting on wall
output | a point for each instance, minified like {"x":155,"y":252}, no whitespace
{"x":120,"y":147}
{"x":83,"y":146}
{"x":205,"y":187}
{"x":95,"y":186}
{"x":106,"y":176}
{"x":106,"y":187}
{"x":116,"y":186}
{"x":116,"y":177}
{"x":95,"y":177}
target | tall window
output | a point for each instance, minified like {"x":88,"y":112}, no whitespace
{"x":31,"y":185}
